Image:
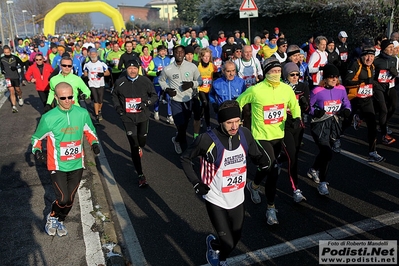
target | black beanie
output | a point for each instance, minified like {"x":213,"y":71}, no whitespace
{"x":385,"y":44}
{"x":329,"y":71}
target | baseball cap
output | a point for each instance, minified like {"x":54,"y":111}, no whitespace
{"x":342,"y":34}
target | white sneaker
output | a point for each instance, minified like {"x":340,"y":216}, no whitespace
{"x":177,"y":146}
{"x":51,"y":225}
{"x":170,"y":120}
{"x":14,"y":109}
{"x":374,"y":157}
{"x":298,"y":197}
{"x":61,"y":229}
{"x":20,"y":101}
{"x":156,"y":116}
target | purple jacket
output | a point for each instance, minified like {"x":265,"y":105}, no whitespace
{"x":331,"y":100}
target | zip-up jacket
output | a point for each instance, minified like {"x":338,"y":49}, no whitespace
{"x":157,"y":64}
{"x":6,"y":63}
{"x":385,"y":71}
{"x":40,"y":75}
{"x":76,"y":82}
{"x":64,"y":131}
{"x":224,"y":89}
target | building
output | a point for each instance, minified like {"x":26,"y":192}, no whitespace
{"x":139,"y":13}
{"x":167,"y":8}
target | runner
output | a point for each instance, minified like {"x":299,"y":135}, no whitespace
{"x":222,"y":184}
{"x":132,"y":95}
{"x":9,"y":64}
{"x":269,"y":102}
{"x":63,"y":127}
{"x":328,"y":103}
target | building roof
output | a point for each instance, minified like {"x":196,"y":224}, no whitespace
{"x":161,"y":2}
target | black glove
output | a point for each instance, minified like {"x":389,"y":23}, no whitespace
{"x":141,"y":106}
{"x":394,"y":72}
{"x":119,"y":110}
{"x":296,"y":123}
{"x":171,"y":92}
{"x":111,"y":64}
{"x":187,"y":85}
{"x":319,"y":113}
{"x":158,"y":73}
{"x":13,"y":68}
{"x":321,"y":68}
{"x":83,"y":96}
{"x":95,"y":148}
{"x":201,"y":189}
{"x":40,"y":156}
{"x":304,"y":103}
{"x":261,"y":78}
{"x":46,"y":108}
{"x":346,"y":113}
{"x":100,"y":75}
{"x":215,"y":107}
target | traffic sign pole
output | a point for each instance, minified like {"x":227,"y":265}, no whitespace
{"x":248,"y":9}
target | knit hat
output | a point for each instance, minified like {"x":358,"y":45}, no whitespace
{"x":189,"y":49}
{"x":134,"y":63}
{"x":385,"y":44}
{"x":329,"y":71}
{"x":270,"y":63}
{"x":281,"y":41}
{"x":289,"y":68}
{"x":330,"y":40}
{"x":228,"y":113}
{"x":368,"y":50}
{"x":214,"y":37}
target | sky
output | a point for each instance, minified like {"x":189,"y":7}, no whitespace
{"x":100,"y":20}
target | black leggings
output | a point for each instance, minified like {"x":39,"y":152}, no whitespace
{"x":228,"y":225}
{"x":386,"y":105}
{"x":291,"y":146}
{"x":323,"y":159}
{"x":366,"y":113}
{"x":271,"y":149}
{"x":137,"y":136}
{"x":43,"y":95}
{"x":97,"y":94}
{"x":65,"y":185}
{"x":204,"y":98}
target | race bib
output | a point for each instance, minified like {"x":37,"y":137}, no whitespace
{"x":132,"y":105}
{"x":249,"y":80}
{"x":206,"y":82}
{"x":71,"y":150}
{"x":344,"y":56}
{"x":233,"y":179}
{"x":365,"y":91}
{"x":273,"y":114}
{"x":218,"y":63}
{"x":93,"y":76}
{"x":8,"y":83}
{"x":332,"y":106}
{"x":116,"y":62}
{"x":160,"y":68}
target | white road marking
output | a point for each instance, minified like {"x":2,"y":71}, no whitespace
{"x":363,"y":160}
{"x":94,"y":253}
{"x":131,"y":242}
{"x":310,"y":241}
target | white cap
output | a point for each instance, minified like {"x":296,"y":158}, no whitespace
{"x":342,"y":34}
{"x":395,"y":44}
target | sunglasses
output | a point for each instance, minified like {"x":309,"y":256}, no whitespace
{"x":63,"y":98}
{"x":69,"y":66}
{"x":333,"y":76}
{"x":294,"y":74}
{"x":238,"y":51}
{"x":38,"y":59}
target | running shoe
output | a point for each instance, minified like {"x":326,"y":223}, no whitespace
{"x":61,"y":229}
{"x":388,"y":130}
{"x":140,"y":152}
{"x":97,"y":120}
{"x":156,"y":116}
{"x":313,"y":174}
{"x":100,"y":116}
{"x":374,"y":157}
{"x":177,"y":146}
{"x":212,"y":256}
{"x":323,"y":189}
{"x":336,"y":146}
{"x":356,"y":121}
{"x":20,"y":101}
{"x":387,"y":139}
{"x":255,"y":196}
{"x":51,"y":225}
{"x":14,"y":109}
{"x":223,"y":263}
{"x":271,"y":216}
{"x":24,"y":83}
{"x":170,"y":120}
{"x":298,"y":197}
{"x":142,"y":181}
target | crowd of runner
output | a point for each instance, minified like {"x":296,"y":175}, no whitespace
{"x":270,"y":86}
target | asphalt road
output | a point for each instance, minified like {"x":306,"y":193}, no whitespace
{"x":169,"y":221}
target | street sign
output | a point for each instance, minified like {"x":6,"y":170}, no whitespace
{"x":248,"y":5}
{"x":249,"y":14}
{"x":132,"y":18}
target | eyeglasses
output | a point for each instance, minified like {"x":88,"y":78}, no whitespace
{"x":69,"y":66}
{"x":294,"y":74}
{"x":64,"y":98}
{"x":38,"y":59}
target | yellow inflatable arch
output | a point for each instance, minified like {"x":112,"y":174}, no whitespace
{"x":81,"y":7}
